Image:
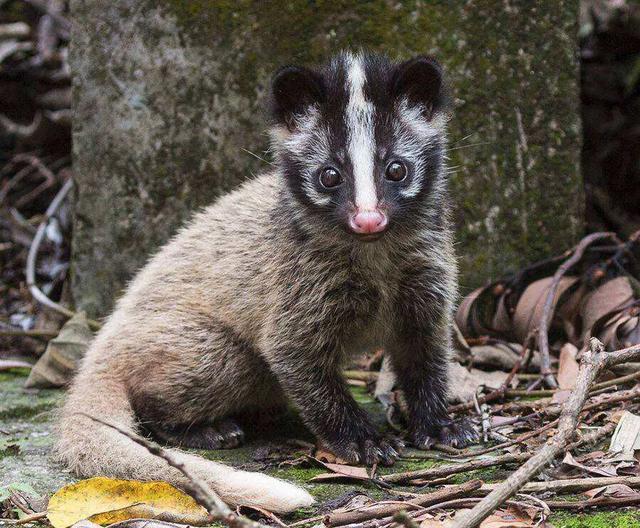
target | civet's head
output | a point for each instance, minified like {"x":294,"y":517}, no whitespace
{"x":361,"y":141}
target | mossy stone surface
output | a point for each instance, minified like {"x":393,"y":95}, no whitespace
{"x":169,"y":97}
{"x":26,"y":437}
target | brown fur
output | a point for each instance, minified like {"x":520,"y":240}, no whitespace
{"x":259,"y":301}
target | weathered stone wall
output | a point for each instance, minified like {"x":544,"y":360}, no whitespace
{"x":168,"y":98}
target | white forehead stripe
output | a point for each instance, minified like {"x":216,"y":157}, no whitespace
{"x":361,"y":142}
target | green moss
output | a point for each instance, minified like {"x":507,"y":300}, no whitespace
{"x":18,"y":403}
{"x":596,"y":520}
{"x":12,"y":375}
{"x":33,"y":412}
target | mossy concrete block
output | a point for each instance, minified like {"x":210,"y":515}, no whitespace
{"x":169,"y":100}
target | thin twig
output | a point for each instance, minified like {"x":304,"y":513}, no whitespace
{"x":6,"y":364}
{"x":455,"y":469}
{"x":617,"y":381}
{"x":465,"y":503}
{"x":377,"y":511}
{"x":568,"y":485}
{"x":28,"y":518}
{"x":603,"y":502}
{"x":361,"y":375}
{"x":556,"y":505}
{"x":42,"y":334}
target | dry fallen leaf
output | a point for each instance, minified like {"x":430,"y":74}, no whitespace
{"x":106,"y":501}
{"x":626,"y":437}
{"x":477,"y":312}
{"x":530,"y":305}
{"x":501,"y":356}
{"x":560,"y":396}
{"x":340,"y":471}
{"x":600,"y":471}
{"x":606,"y":298}
{"x":568,"y":367}
{"x":466,"y":382}
{"x":386,"y":381}
{"x":322,"y":454}
{"x":58,"y":364}
{"x":618,"y":491}
{"x":431,"y":522}
{"x":507,"y":519}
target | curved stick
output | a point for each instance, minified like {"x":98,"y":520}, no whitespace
{"x":30,"y":271}
{"x":545,"y":319}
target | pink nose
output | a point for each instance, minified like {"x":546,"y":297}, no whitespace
{"x":368,"y":222}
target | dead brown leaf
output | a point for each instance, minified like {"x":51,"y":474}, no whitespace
{"x":507,"y":519}
{"x":618,"y":491}
{"x":339,"y":471}
{"x":568,"y":367}
{"x":60,"y":360}
{"x":608,"y":297}
{"x":466,"y":382}
{"x":626,"y":437}
{"x":530,"y":305}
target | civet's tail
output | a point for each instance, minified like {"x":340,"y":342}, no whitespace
{"x":90,"y":448}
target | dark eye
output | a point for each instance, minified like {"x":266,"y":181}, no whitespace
{"x":330,"y":177}
{"x":396,"y":171}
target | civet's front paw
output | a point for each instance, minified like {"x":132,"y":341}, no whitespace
{"x":458,"y":434}
{"x":368,"y":449}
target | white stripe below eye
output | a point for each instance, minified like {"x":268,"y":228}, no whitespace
{"x":297,"y":145}
{"x":413,"y":138}
{"x":361,"y":142}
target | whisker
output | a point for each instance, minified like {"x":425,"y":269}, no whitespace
{"x":470,"y":145}
{"x":256,"y":156}
{"x":462,"y":139}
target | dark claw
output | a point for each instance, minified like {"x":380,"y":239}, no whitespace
{"x":459,"y":434}
{"x":376,"y":450}
{"x":224,"y":435}
{"x":456,"y":434}
{"x":232,"y":434}
{"x":199,"y":437}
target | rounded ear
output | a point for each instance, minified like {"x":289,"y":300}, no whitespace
{"x":420,"y":81}
{"x":294,"y":89}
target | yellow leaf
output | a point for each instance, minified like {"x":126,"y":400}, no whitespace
{"x":105,"y":501}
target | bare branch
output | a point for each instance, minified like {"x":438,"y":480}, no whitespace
{"x":30,"y":271}
{"x":378,"y":511}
